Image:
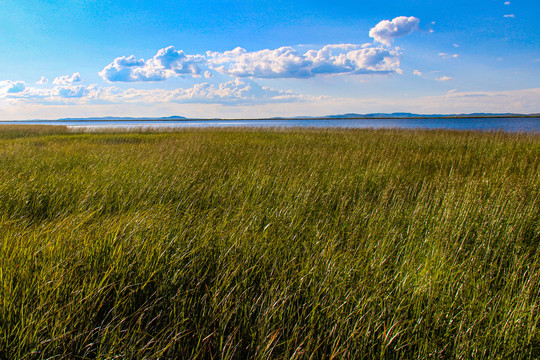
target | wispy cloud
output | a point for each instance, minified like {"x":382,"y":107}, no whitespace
{"x":444,"y":78}
{"x":448,"y":56}
{"x":417,"y":72}
{"x":136,"y":102}
{"x":235,"y":92}
{"x":510,"y":16}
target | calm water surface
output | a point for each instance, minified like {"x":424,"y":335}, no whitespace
{"x":486,"y":124}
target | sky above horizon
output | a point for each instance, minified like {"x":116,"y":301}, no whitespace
{"x":257,"y":58}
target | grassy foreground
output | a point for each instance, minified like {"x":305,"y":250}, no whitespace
{"x":289,"y":244}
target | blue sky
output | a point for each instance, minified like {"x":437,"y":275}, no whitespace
{"x":249,"y":58}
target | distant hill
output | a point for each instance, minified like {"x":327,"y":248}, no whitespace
{"x":396,"y":115}
{"x":410,"y":115}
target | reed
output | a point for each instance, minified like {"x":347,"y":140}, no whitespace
{"x":269,"y":243}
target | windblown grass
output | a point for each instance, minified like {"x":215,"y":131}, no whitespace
{"x":270,"y":244}
{"x":17,"y":131}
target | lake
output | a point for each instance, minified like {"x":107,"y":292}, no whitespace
{"x":483,"y":124}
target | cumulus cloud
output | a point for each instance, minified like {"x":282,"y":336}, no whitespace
{"x":283,"y":62}
{"x":387,"y":30}
{"x":168,"y":62}
{"x":287,"y":62}
{"x":444,"y":78}
{"x":66,"y":79}
{"x":417,"y":72}
{"x":42,"y":81}
{"x":279,"y":63}
{"x":350,"y":59}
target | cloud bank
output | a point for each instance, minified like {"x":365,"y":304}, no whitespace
{"x":235,"y":92}
{"x":281,"y":63}
{"x":284,"y":62}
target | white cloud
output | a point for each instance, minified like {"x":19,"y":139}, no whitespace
{"x":518,"y":101}
{"x":443,"y":78}
{"x":448,"y":56}
{"x":385,"y":31}
{"x":18,"y":91}
{"x":42,"y":81}
{"x":66,"y":79}
{"x":510,"y":16}
{"x":67,"y":92}
{"x":456,"y":45}
{"x":417,"y":72}
{"x":286,"y":62}
{"x":167,"y":63}
{"x":11,"y":87}
{"x":235,"y":92}
{"x":507,"y":3}
{"x":283,"y":62}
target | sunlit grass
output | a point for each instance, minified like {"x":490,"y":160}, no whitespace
{"x":251,"y":243}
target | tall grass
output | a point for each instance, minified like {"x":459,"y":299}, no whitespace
{"x":288,"y":244}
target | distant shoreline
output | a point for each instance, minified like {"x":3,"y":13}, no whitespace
{"x":426,"y":117}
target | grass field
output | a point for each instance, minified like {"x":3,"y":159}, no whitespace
{"x":283,"y":244}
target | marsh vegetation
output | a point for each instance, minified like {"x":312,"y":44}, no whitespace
{"x":251,"y":243}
